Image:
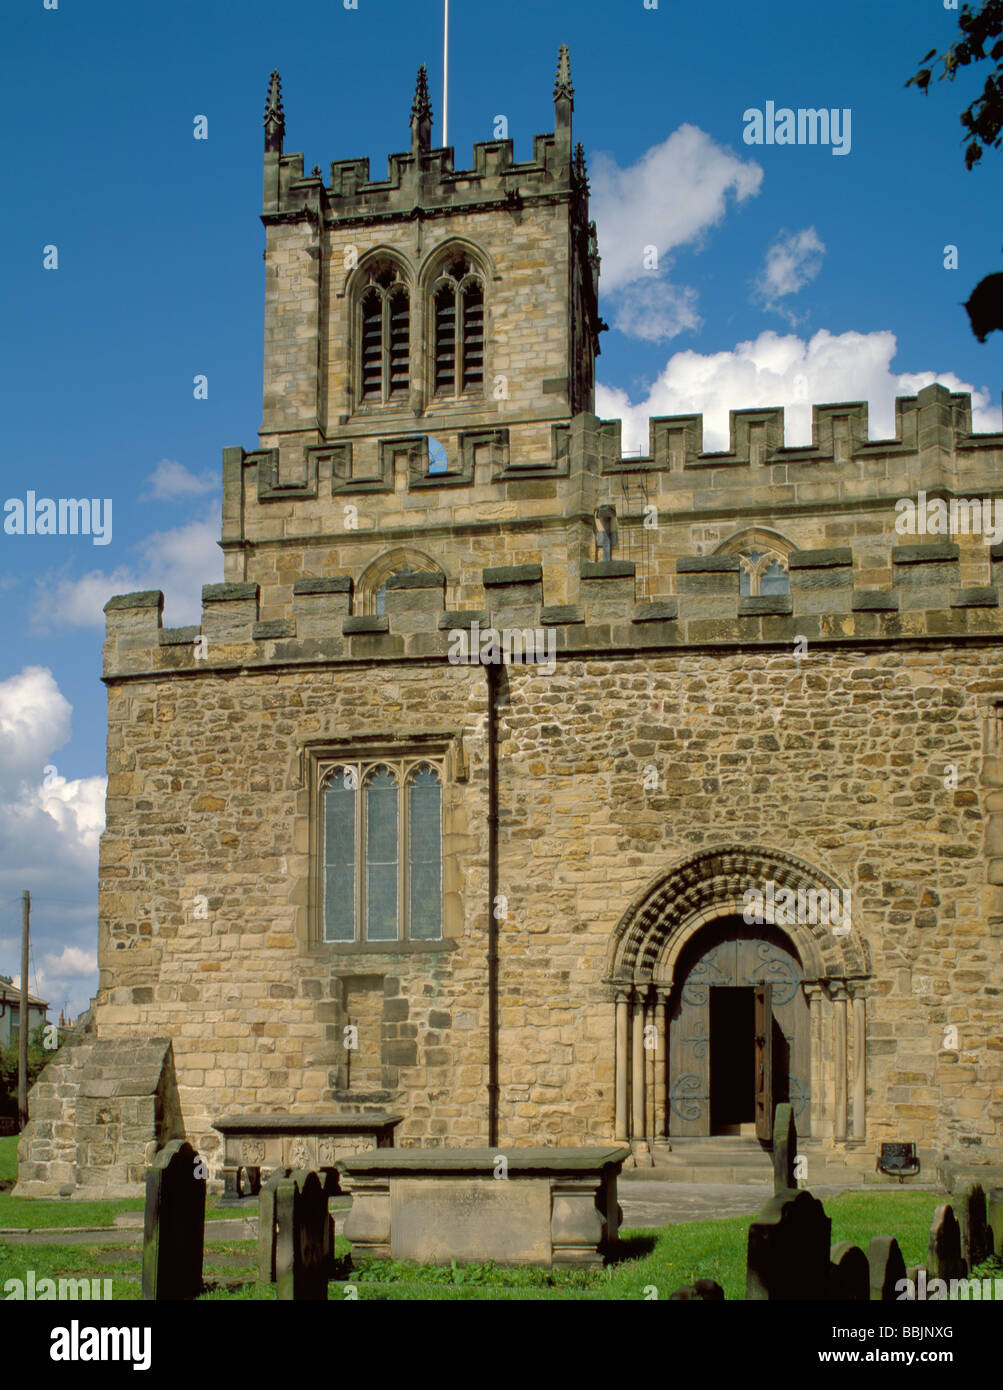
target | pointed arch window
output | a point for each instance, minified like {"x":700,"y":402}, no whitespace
{"x":763,"y":572}
{"x":384,"y":335}
{"x":763,"y":563}
{"x":381,"y":850}
{"x":458,"y":330}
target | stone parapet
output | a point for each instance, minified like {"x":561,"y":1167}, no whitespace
{"x":926,"y":600}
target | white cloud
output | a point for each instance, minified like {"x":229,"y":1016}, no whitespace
{"x":178,"y":561}
{"x":171,"y":479}
{"x":656,"y":310}
{"x":34,"y":721}
{"x":784,"y":370}
{"x":70,"y":963}
{"x":792,"y":262}
{"x":670,"y":198}
{"x":49,"y":831}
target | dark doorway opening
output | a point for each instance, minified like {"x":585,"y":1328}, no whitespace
{"x":732,"y":1059}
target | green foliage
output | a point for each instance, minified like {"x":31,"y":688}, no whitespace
{"x":38,"y":1057}
{"x":983,"y":119}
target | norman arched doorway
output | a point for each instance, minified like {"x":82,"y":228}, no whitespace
{"x":710,"y":1010}
{"x":738,"y":1029}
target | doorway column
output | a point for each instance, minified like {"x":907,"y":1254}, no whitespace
{"x":661,"y":1062}
{"x":815,"y":1082}
{"x":839,"y":1058}
{"x":621,"y":1053}
{"x":637,"y":1079}
{"x":650,"y":1062}
{"x":859,"y":1006}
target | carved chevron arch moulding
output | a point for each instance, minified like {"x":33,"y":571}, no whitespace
{"x":647,"y":940}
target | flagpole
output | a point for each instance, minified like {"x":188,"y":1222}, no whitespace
{"x":445,"y":73}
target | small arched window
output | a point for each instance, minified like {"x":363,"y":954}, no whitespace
{"x":371,"y":587}
{"x":763,"y":564}
{"x":458,"y":330}
{"x":384,"y":336}
{"x":381,"y":592}
{"x":763,"y":572}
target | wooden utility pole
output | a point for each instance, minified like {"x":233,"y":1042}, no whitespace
{"x":22,"y":1035}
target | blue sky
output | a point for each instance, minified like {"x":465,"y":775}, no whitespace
{"x":784,"y":274}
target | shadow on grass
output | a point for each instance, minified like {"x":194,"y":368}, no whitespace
{"x":631,"y":1248}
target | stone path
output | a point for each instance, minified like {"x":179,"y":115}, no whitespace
{"x":646,"y":1204}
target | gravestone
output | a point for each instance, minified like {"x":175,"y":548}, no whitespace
{"x":944,"y":1260}
{"x":267,"y":1225}
{"x":703,"y":1290}
{"x":301,"y":1257}
{"x":975,"y":1240}
{"x":887,"y":1268}
{"x":849,"y":1274}
{"x":174,"y":1224}
{"x":785,"y":1147}
{"x":788,"y":1252}
{"x":995,"y":1220}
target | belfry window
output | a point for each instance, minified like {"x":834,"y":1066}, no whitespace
{"x":458,"y":330}
{"x":381,"y":850}
{"x":384,"y":337}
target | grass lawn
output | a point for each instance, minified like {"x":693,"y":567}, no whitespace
{"x":34,"y":1213}
{"x":662,"y":1259}
{"x":8,"y":1158}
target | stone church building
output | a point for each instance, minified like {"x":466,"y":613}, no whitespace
{"x":465,"y":796}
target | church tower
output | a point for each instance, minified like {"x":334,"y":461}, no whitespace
{"x":429,"y":338}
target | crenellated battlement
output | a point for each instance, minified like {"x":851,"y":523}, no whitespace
{"x":827,"y":603}
{"x":934,"y":420}
{"x":422,"y":178}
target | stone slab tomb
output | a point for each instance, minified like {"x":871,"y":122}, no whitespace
{"x":267,"y":1142}
{"x":518,"y":1206}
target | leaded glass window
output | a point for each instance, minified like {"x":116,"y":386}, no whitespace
{"x":425,"y":853}
{"x":381,"y":850}
{"x":339,"y":855}
{"x":381,"y":855}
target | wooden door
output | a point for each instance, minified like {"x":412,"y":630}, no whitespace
{"x":689,"y":1064}
{"x":731,"y":953}
{"x":763,"y":1026}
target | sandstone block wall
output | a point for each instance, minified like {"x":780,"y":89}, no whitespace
{"x":870,"y":758}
